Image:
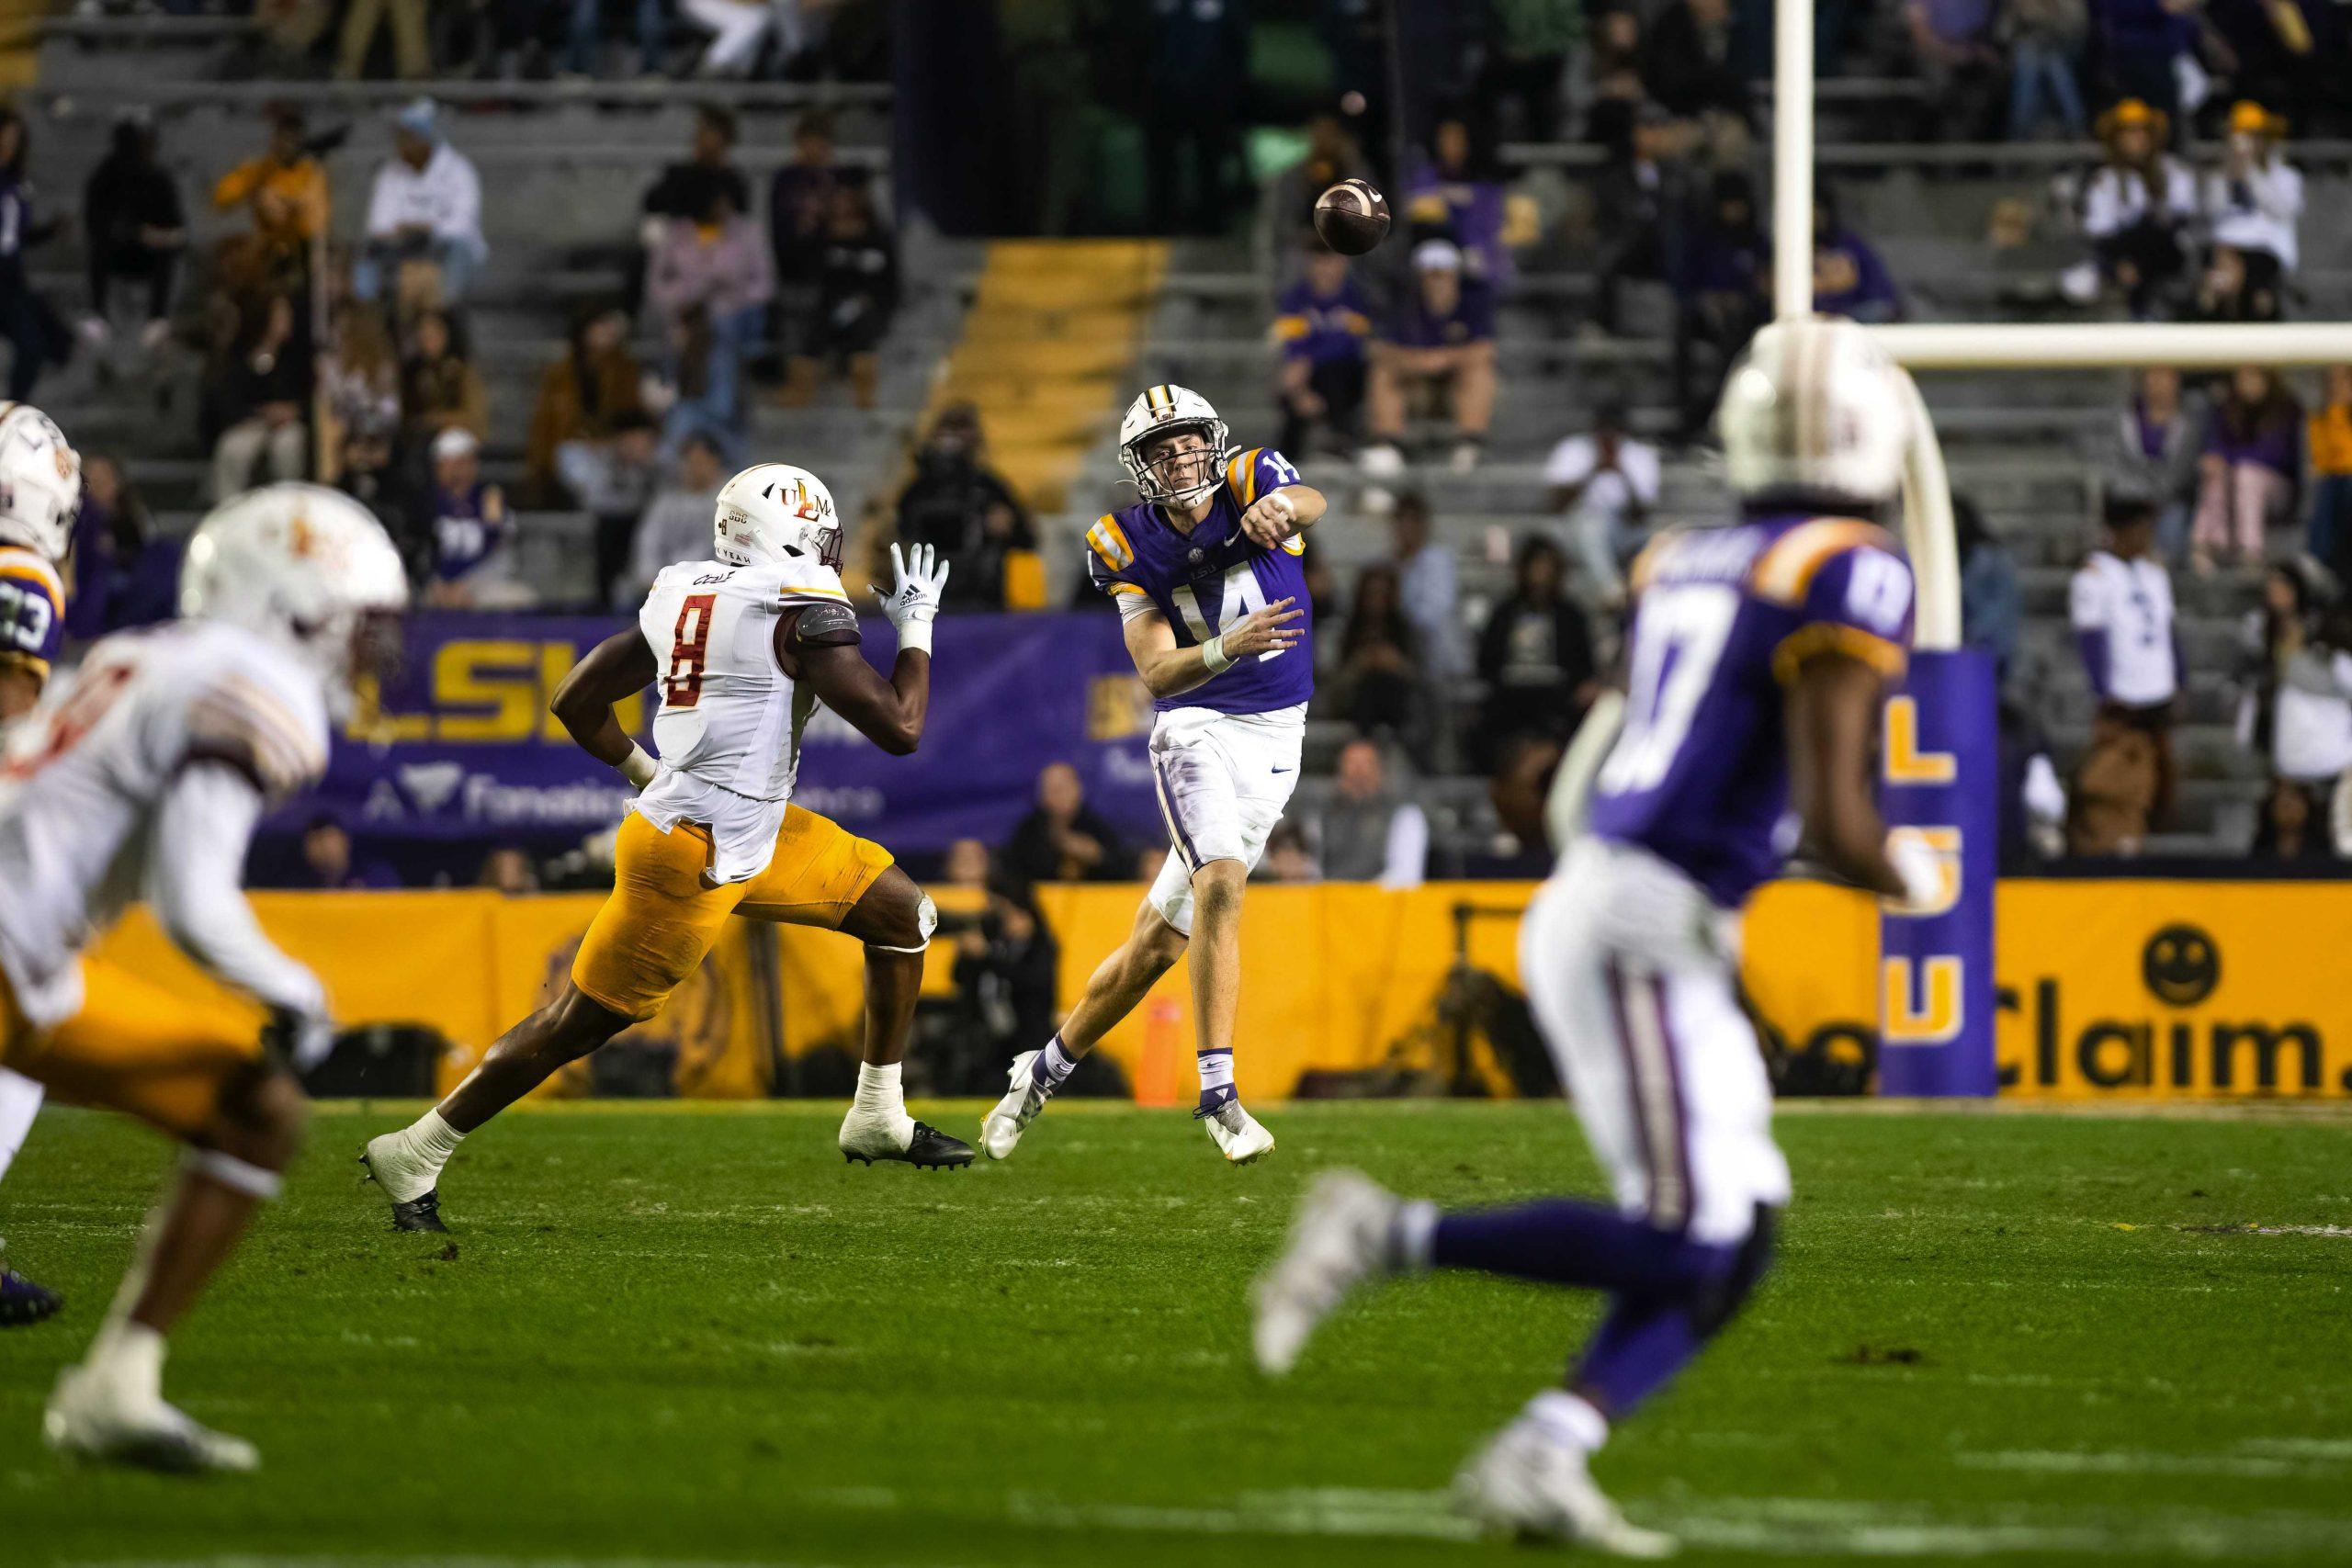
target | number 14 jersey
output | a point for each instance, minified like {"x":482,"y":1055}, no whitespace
{"x":1207,"y":581}
{"x":1700,"y":775}
{"x":729,"y":721}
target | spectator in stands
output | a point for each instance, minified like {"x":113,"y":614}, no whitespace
{"x":1992,"y":606}
{"x":1952,"y":42}
{"x":2293,"y":826}
{"x":365,"y":471}
{"x":412,"y":52}
{"x":1287,"y":858}
{"x":709,"y":286}
{"x":583,"y":398}
{"x":737,"y":28}
{"x":1605,"y":483}
{"x":36,"y":335}
{"x":1286,"y":208}
{"x":507,"y":869}
{"x":2045,"y":41}
{"x":134,"y":229}
{"x":1849,"y":280}
{"x":1196,"y":70}
{"x":958,"y":504}
{"x":2226,"y":291}
{"x":425,"y":207}
{"x":1719,"y":295}
{"x":1426,"y":587}
{"x":2152,"y":450}
{"x":260,"y":398}
{"x":2135,"y":206}
{"x":1613,"y":74}
{"x":613,"y":479}
{"x":858,"y":294}
{"x":1061,"y":839}
{"x":2253,"y":200}
{"x":2329,"y":441}
{"x":439,"y":389}
{"x":2252,"y":463}
{"x":1640,"y":206}
{"x":1444,"y":335}
{"x":586,"y":33}
{"x":360,"y":377}
{"x":801,"y":205}
{"x":1322,"y":322}
{"x":1535,"y":656}
{"x":1687,"y":64}
{"x":1528,"y":61}
{"x":1377,"y":686}
{"x":966,"y":864}
{"x":684,"y":189}
{"x":284,"y":188}
{"x":1456,"y":192}
{"x":1006,"y":973}
{"x":124,"y":575}
{"x":1366,"y":830}
{"x":2295,"y":682}
{"x":2121,"y":606}
{"x":676,"y":526}
{"x":474,"y":564}
{"x":2144,"y":43}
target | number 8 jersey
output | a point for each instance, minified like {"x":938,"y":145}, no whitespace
{"x":1207,"y":581}
{"x":1700,"y":775}
{"x":729,"y":723}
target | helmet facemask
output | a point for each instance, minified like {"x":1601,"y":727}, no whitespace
{"x":1173,"y":474}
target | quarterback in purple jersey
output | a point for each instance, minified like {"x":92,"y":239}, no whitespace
{"x":1205,"y":571}
{"x":1758,"y":658}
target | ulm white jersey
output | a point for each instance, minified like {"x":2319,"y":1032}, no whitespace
{"x":729,"y":723}
{"x":100,"y":806}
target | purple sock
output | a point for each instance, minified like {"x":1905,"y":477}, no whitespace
{"x":1559,"y":1241}
{"x":1643,"y":1342}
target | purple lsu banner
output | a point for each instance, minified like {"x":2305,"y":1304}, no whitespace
{"x":1936,"y":993}
{"x":460,"y":744}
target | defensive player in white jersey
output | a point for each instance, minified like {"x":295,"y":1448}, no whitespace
{"x":1758,"y":657}
{"x":40,"y":491}
{"x":741,"y":650}
{"x":1206,"y":569}
{"x":143,"y":781}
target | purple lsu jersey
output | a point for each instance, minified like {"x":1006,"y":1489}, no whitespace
{"x":32,"y":611}
{"x":1207,"y":581}
{"x":1700,"y":775}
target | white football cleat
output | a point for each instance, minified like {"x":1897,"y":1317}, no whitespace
{"x":1340,"y":1239}
{"x":1001,"y":1128}
{"x":1239,"y":1136}
{"x":92,"y":1416}
{"x":1529,"y":1486}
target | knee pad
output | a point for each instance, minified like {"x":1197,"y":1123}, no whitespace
{"x":926,"y":923}
{"x":1721,"y":1301}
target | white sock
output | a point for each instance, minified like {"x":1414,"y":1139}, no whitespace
{"x":879,"y":1094}
{"x":130,"y":1357}
{"x":1414,"y":1235}
{"x":420,"y":1150}
{"x":1568,"y":1420}
{"x":1052,"y":1066}
{"x":1216,"y":1071}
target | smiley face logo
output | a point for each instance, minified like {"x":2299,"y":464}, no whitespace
{"x":2181,"y":965}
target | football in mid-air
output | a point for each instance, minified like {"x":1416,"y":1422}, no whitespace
{"x":1351,"y":217}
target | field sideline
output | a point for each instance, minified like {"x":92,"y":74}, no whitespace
{"x":681,"y":1336}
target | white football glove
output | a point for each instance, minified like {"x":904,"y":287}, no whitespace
{"x":915,"y":602}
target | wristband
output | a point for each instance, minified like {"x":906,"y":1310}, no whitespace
{"x":915,"y":634}
{"x":1213,"y":654}
{"x":638,"y":767}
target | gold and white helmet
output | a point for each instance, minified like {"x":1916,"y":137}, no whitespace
{"x":40,"y":483}
{"x":1816,"y":406}
{"x":774,"y":513}
{"x":306,"y":567}
{"x":1163,"y":410}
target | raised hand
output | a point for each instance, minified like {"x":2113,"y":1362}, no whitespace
{"x":915,"y":602}
{"x":1269,"y":631}
{"x":1271,"y":519}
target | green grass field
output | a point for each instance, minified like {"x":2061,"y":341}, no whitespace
{"x":693,"y":1337}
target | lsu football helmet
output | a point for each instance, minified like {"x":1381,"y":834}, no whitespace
{"x":772,"y":513}
{"x":1815,"y":405}
{"x":306,"y":567}
{"x":1163,"y":410}
{"x":40,"y":483}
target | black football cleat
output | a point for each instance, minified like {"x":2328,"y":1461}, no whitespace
{"x":929,"y":1149}
{"x":422,"y":1212}
{"x":23,"y":1303}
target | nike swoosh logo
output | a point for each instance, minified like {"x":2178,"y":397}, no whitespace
{"x":1281,"y":769}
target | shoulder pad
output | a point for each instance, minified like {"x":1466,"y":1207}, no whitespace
{"x":825,"y":624}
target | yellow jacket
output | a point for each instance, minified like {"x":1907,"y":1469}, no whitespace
{"x":288,"y":200}
{"x":2331,"y":439}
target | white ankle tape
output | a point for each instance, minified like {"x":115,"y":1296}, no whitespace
{"x":237,"y":1175}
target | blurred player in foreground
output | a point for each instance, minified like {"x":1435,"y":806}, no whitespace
{"x":1205,"y":571}
{"x":143,"y":781}
{"x":743,"y":649}
{"x":1758,"y":659}
{"x":41,"y":490}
